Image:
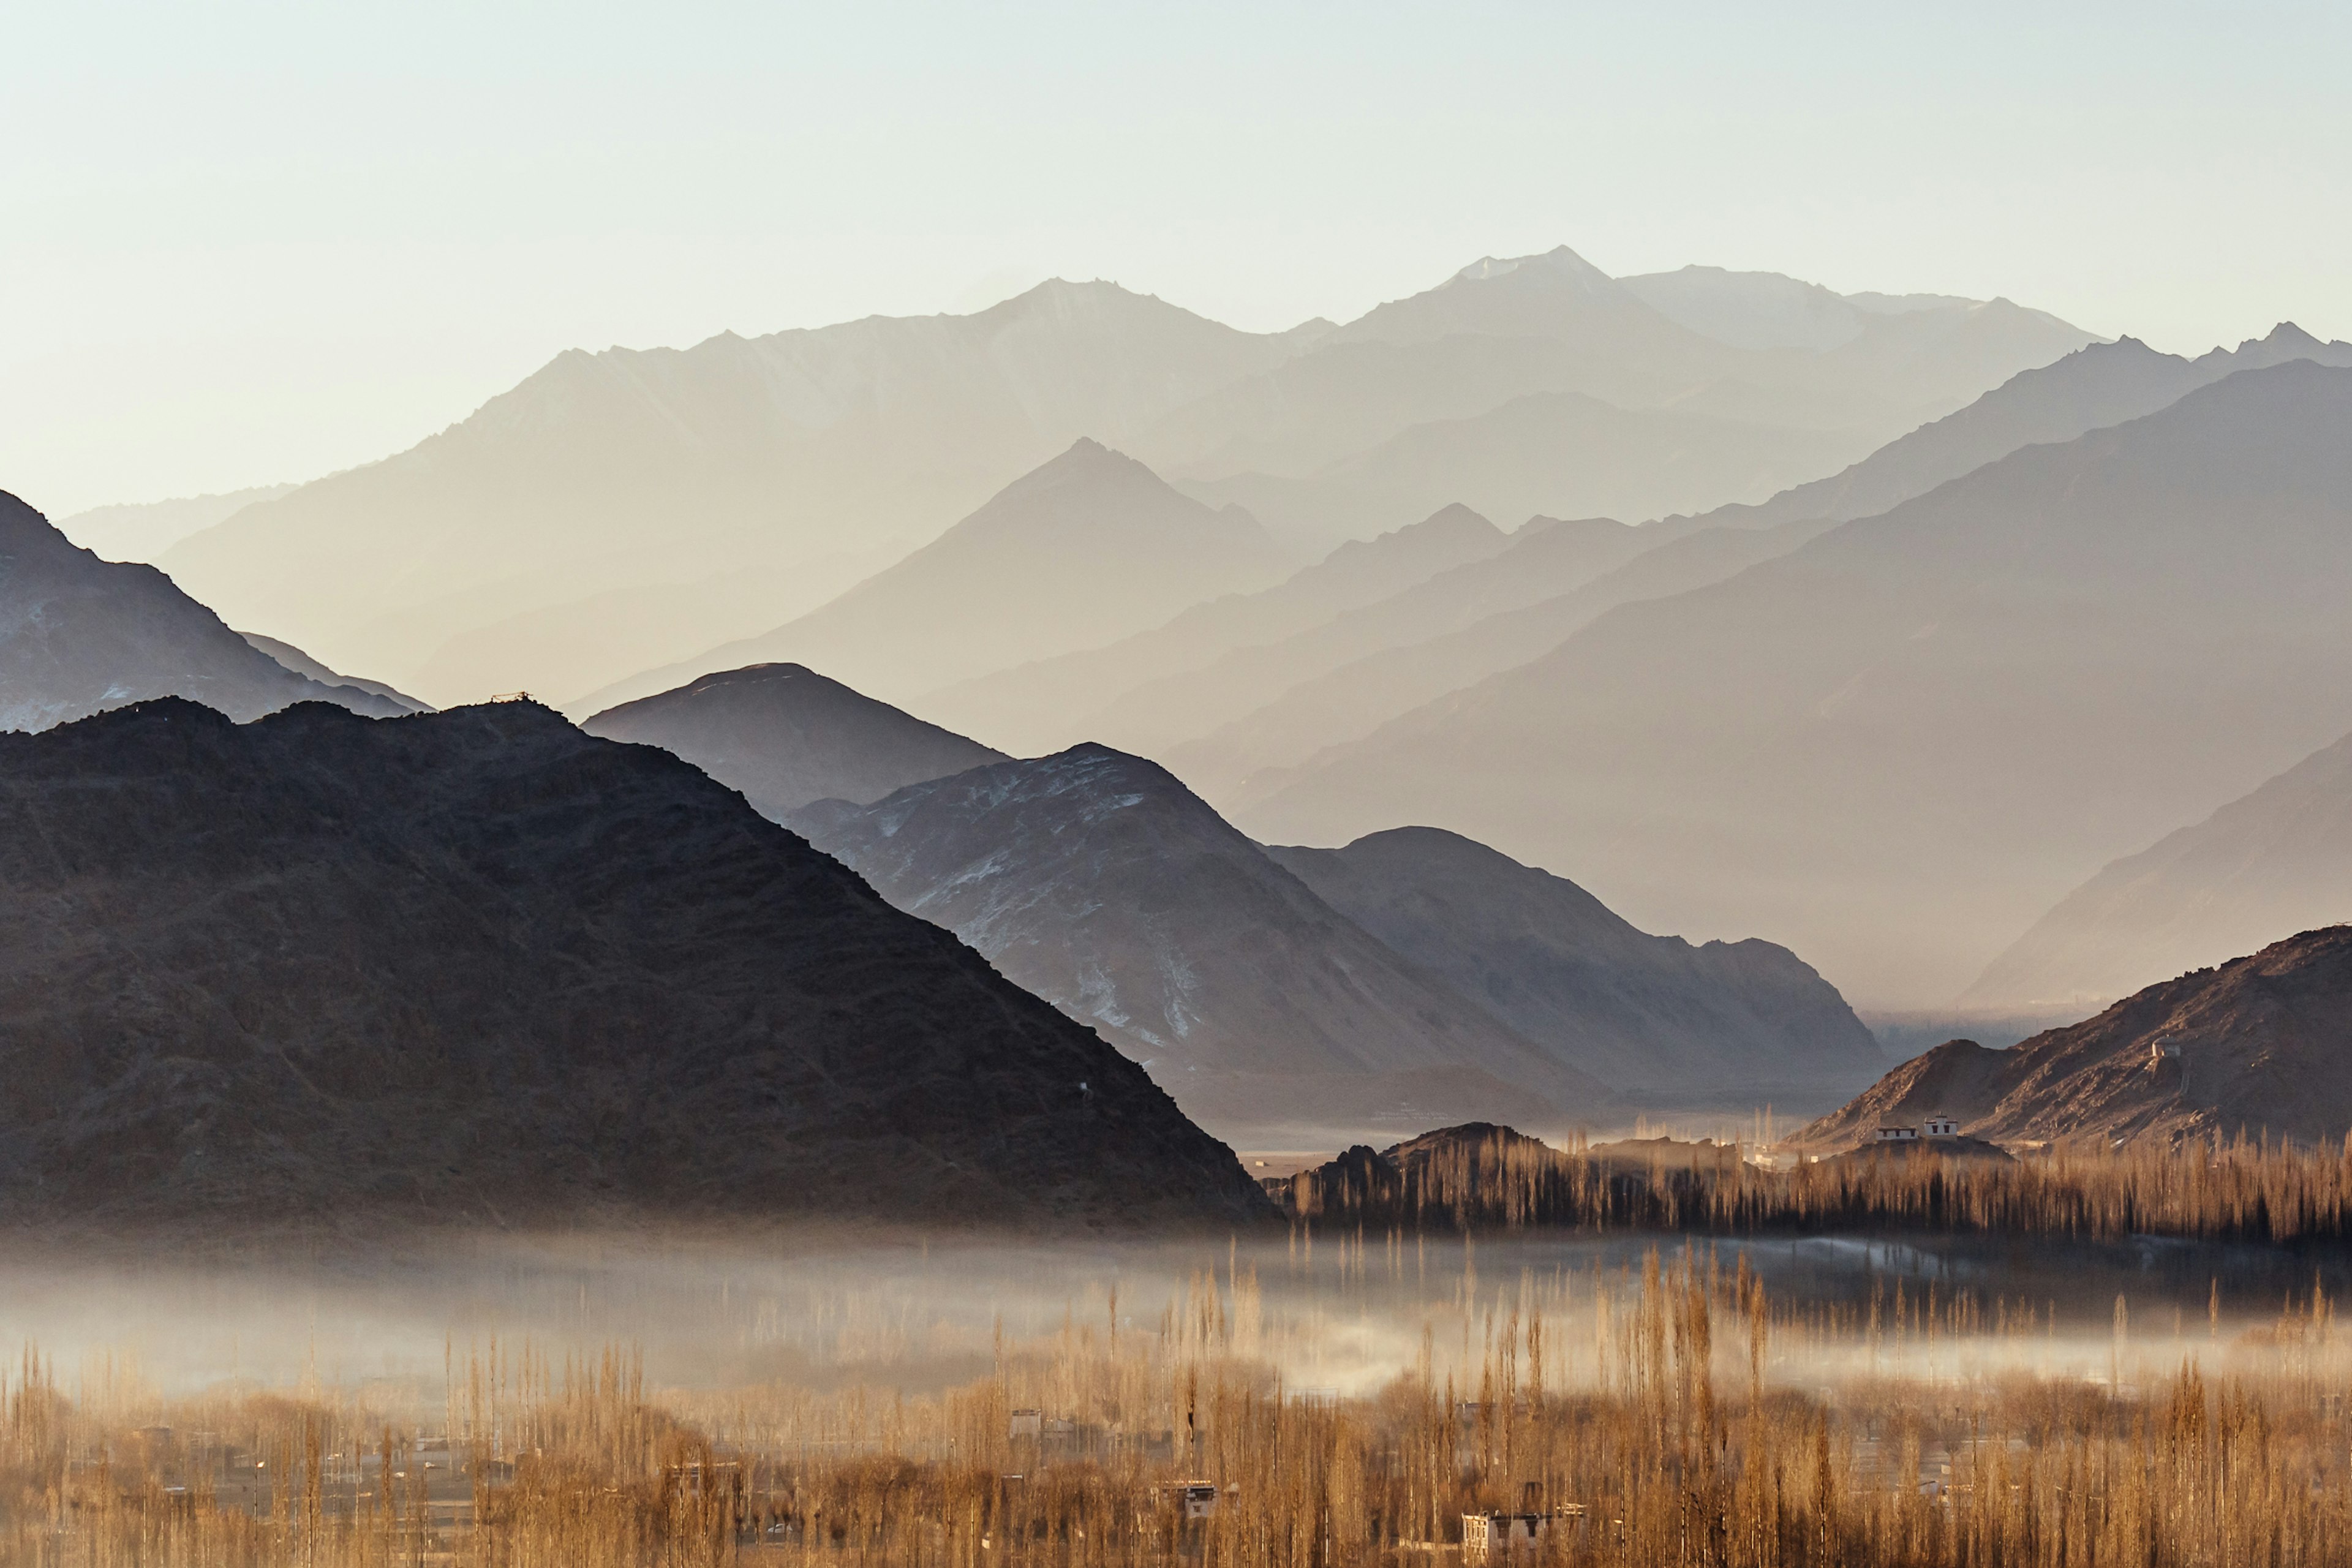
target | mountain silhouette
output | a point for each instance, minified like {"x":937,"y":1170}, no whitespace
{"x":1643,"y":1014}
{"x":476,"y":965}
{"x":785,"y":736}
{"x":1097,"y":881}
{"x":79,"y":635}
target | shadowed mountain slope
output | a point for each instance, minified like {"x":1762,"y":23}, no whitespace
{"x":1098,"y":882}
{"x":1638,"y":1011}
{"x":785,"y":736}
{"x":478,"y":965}
{"x":1090,"y":548}
{"x":2279,"y":860}
{"x":1897,"y":745}
{"x":1041,"y":707}
{"x":79,"y":635}
{"x":2261,"y":1044}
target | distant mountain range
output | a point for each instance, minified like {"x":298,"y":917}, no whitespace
{"x":787,"y":737}
{"x":2090,"y":389}
{"x":1898,"y":744}
{"x":1270,"y":697}
{"x":1045,"y":705}
{"x":79,"y":635}
{"x":1083,"y":551}
{"x":1429,"y":643}
{"x":2276,"y":860}
{"x":143,"y":531}
{"x":622,"y":511}
{"x":2260,"y":1044}
{"x":1545,"y":557}
{"x":478,"y":967}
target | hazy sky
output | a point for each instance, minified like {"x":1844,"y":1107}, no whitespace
{"x":242,"y":243}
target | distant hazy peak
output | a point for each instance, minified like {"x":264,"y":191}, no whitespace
{"x":1085,"y":459}
{"x":2284,"y":342}
{"x":1559,"y":261}
{"x":1454,"y":527}
{"x":1879,"y":304}
{"x":1448,"y":521}
{"x":143,"y":530}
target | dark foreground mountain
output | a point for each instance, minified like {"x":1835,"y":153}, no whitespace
{"x":1097,"y":881}
{"x":785,"y":736}
{"x":478,"y":964}
{"x":2276,"y":860}
{"x":1898,"y":745}
{"x":1645,"y":1015}
{"x":79,"y":635}
{"x":2261,"y":1044}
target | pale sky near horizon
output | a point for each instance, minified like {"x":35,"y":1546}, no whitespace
{"x":244,"y":243}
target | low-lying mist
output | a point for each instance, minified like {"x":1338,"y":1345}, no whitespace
{"x":1334,"y":1313}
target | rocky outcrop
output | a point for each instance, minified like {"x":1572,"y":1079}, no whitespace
{"x":476,"y":964}
{"x":2261,"y":1044}
{"x":786,"y":736}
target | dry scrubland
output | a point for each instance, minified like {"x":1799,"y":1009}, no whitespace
{"x":1669,"y":1405}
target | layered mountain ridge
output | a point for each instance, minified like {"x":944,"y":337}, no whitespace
{"x":1097,"y":881}
{"x":79,"y":635}
{"x":1898,"y":744}
{"x":624,"y":511}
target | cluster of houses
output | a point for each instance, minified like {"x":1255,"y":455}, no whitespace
{"x":1936,"y":1126}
